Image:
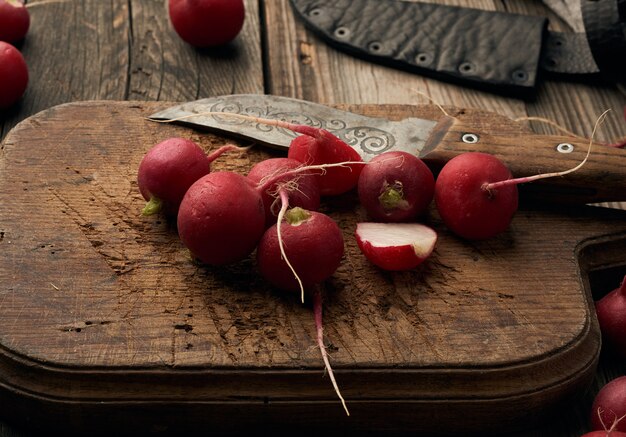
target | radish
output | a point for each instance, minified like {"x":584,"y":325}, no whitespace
{"x":318,"y":147}
{"x":313,"y":245}
{"x":13,"y":75}
{"x":168,"y":169}
{"x":221,"y":218}
{"x":284,"y":259}
{"x":314,"y":147}
{"x":395,"y":187}
{"x":207,"y":23}
{"x":14,"y":21}
{"x":395,"y":246}
{"x":609,"y":407}
{"x":611,"y":311}
{"x":464,"y":200}
{"x":303,"y":188}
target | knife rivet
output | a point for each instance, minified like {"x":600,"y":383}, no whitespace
{"x":565,"y":148}
{"x":342,"y":32}
{"x":315,"y":12}
{"x":469,"y":138}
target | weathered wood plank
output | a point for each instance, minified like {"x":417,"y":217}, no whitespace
{"x":127,"y":50}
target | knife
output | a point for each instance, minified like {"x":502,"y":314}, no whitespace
{"x":601,"y":179}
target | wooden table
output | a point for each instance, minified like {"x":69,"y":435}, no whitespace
{"x":126,"y":50}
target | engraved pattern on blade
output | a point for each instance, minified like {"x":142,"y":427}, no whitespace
{"x":369,"y":136}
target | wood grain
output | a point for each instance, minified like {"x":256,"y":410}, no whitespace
{"x":102,"y":307}
{"x":90,"y":49}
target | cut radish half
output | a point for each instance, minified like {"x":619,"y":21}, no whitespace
{"x":395,"y":246}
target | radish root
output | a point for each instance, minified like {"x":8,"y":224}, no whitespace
{"x":317,"y":313}
{"x":616,"y":421}
{"x":284,"y":198}
{"x":493,"y":185}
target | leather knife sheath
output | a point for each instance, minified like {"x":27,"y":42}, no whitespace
{"x":498,"y":51}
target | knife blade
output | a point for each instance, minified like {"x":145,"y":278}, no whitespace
{"x":601,"y":179}
{"x":369,"y":136}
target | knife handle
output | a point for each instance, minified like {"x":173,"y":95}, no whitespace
{"x":601,"y":179}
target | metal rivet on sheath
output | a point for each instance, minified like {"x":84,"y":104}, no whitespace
{"x":342,"y":32}
{"x":423,"y":58}
{"x":466,"y":68}
{"x":565,"y":148}
{"x":375,"y":46}
{"x":520,"y":76}
{"x":469,"y":138}
{"x":315,"y":12}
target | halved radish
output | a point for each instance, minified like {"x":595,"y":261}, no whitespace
{"x":395,"y":246}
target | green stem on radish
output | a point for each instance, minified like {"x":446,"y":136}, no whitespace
{"x":317,"y":313}
{"x":153,"y":206}
{"x":392,"y":197}
{"x":490,"y":187}
{"x":284,"y":198}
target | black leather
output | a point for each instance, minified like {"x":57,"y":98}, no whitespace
{"x":568,"y":54}
{"x":605,"y":26}
{"x":494,"y":50}
{"x":484,"y":48}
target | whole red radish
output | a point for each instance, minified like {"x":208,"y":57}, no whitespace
{"x":319,"y":146}
{"x":608,"y":411}
{"x":395,"y":246}
{"x":611,"y":311}
{"x":395,"y":187}
{"x":168,"y":169}
{"x":13,"y":75}
{"x":14,"y":20}
{"x":313,"y":244}
{"x":207,"y":23}
{"x":221,"y":218}
{"x":464,"y":200}
{"x":303,"y":188}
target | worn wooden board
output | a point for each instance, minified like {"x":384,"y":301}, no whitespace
{"x":103,"y":315}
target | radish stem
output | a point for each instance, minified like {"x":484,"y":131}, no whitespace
{"x":153,"y":206}
{"x":493,"y":185}
{"x":220,"y":151}
{"x":317,"y":313}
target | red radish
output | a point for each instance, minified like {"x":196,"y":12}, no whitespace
{"x":314,"y":147}
{"x":313,"y":245}
{"x":608,"y":410}
{"x":303,"y":189}
{"x":14,"y":20}
{"x":466,"y":206}
{"x":221,"y":218}
{"x":168,"y":169}
{"x":319,"y":146}
{"x":611,"y":311}
{"x":395,"y":246}
{"x":207,"y":23}
{"x":395,"y":187}
{"x":284,"y":259}
{"x":13,"y":75}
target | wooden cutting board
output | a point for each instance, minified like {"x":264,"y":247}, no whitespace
{"x":107,"y":324}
